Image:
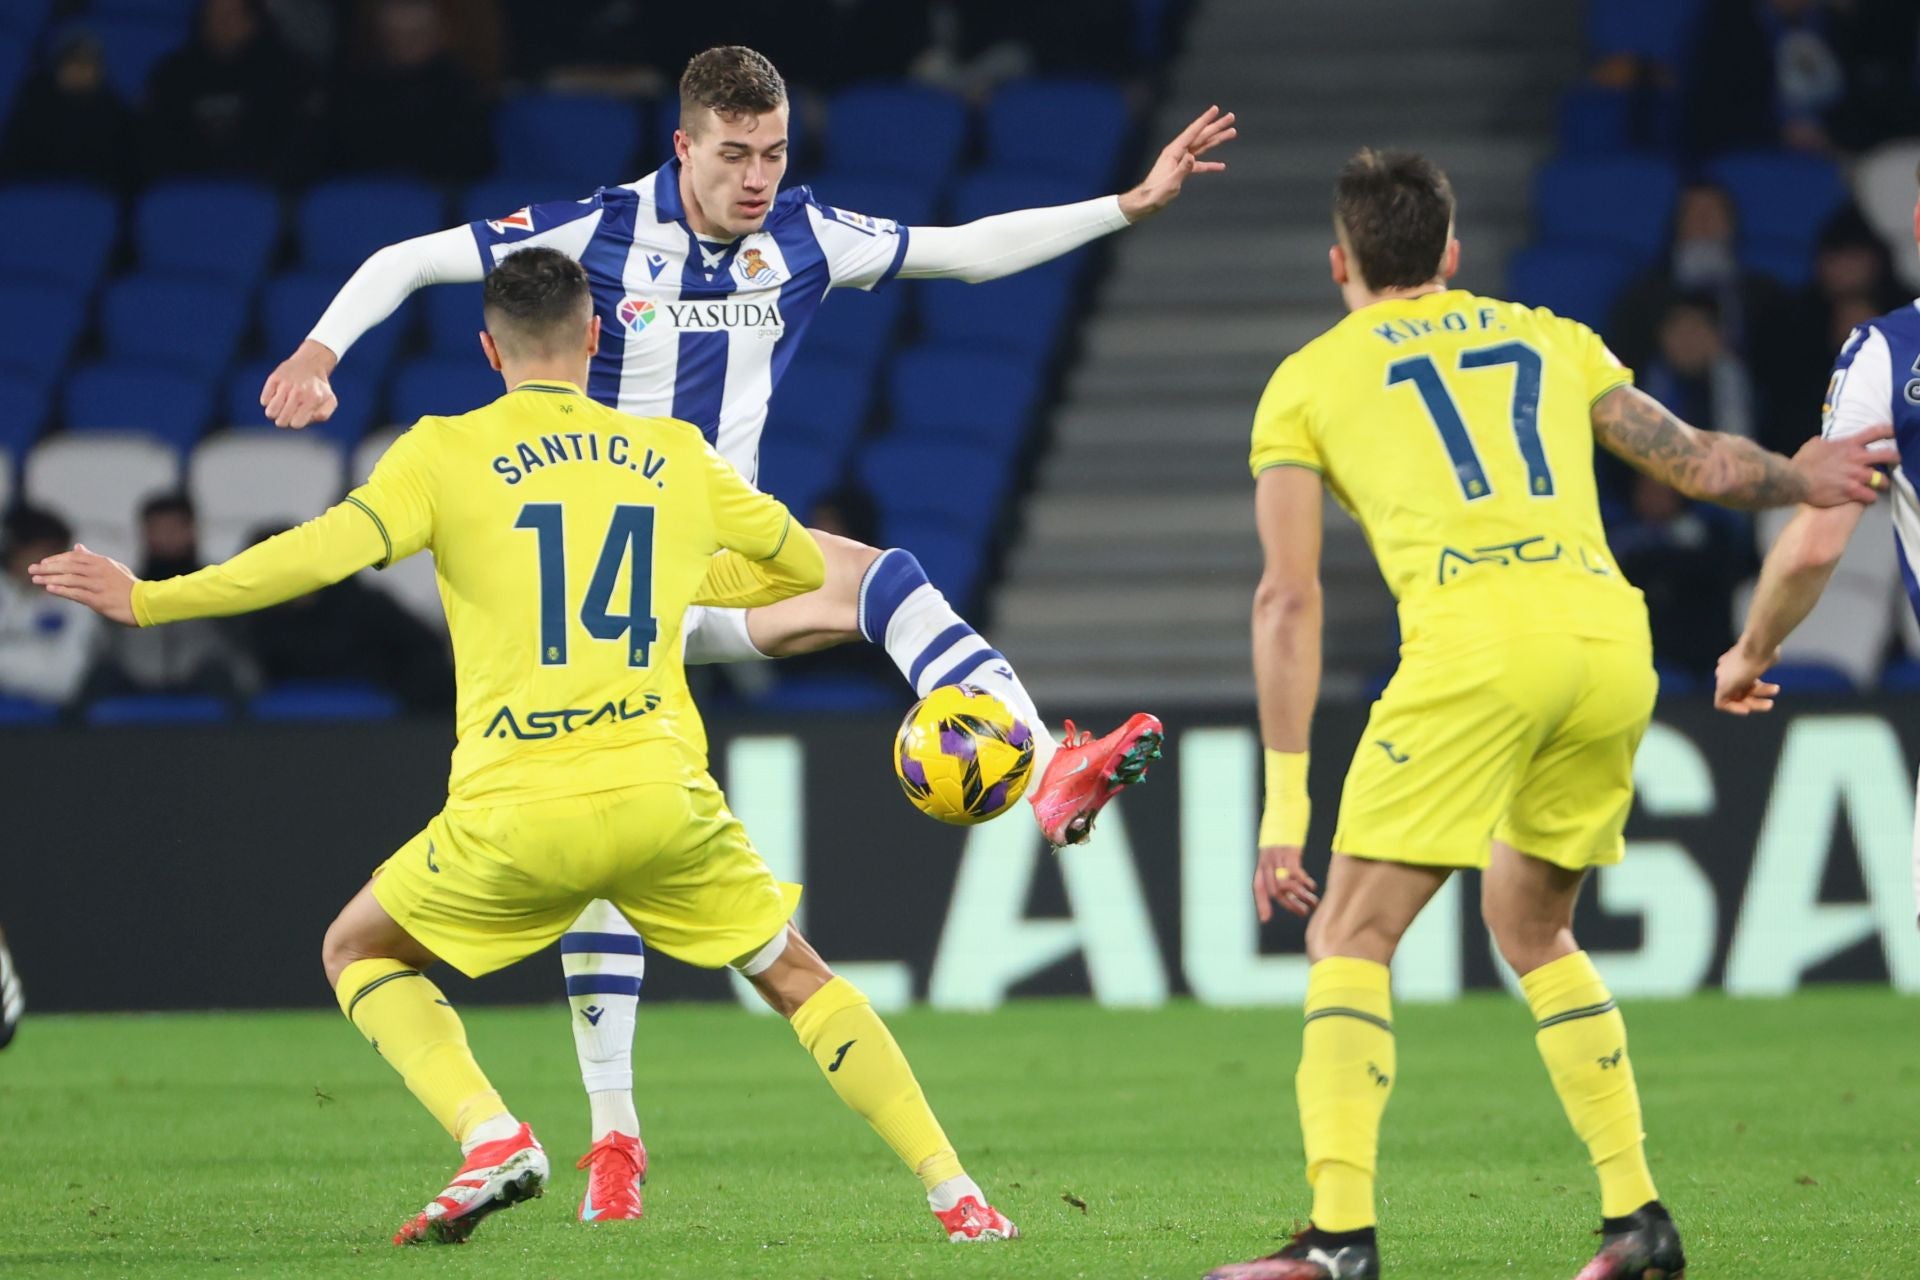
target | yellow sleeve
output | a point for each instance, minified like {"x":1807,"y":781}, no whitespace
{"x":1282,"y":432}
{"x":316,"y":554}
{"x":766,"y":555}
{"x":398,"y":496}
{"x":1599,"y":367}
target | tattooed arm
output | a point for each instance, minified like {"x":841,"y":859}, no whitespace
{"x":1734,"y":472}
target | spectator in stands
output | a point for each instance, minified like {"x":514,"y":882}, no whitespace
{"x":351,"y":632}
{"x":979,"y":43}
{"x":200,"y":656}
{"x":1687,"y":557}
{"x":44,"y":645}
{"x":1852,"y":276}
{"x":407,"y":105}
{"x":235,"y":101}
{"x":1701,"y":260}
{"x":70,"y":124}
{"x":1694,"y":372}
{"x":1814,"y":75}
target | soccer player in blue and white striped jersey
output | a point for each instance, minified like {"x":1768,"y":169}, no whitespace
{"x":706,"y":275}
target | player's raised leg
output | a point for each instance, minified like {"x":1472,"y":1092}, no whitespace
{"x":886,"y":598}
{"x":377,"y":973}
{"x":864,"y":1065}
{"x":605,"y":961}
{"x":1528,"y":905}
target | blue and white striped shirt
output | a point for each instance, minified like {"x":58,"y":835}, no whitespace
{"x":693,"y":329}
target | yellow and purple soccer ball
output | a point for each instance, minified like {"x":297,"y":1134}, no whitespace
{"x":962,"y":756}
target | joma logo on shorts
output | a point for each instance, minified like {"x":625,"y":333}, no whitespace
{"x":551,"y":724}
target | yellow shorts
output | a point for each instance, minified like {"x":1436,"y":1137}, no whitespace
{"x":482,"y":888}
{"x":1526,"y":739}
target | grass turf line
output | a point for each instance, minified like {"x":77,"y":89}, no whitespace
{"x":1782,"y":1133}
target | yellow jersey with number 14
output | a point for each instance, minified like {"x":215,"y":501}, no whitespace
{"x":1456,"y":429}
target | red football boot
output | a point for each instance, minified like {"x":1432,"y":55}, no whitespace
{"x":971,"y":1222}
{"x":1086,"y":772}
{"x":616,"y":1170}
{"x":498,"y":1175}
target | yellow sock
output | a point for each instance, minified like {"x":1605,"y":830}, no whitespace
{"x":412,"y":1026}
{"x":1346,"y":1073}
{"x":1583,"y":1040}
{"x":866,"y":1068}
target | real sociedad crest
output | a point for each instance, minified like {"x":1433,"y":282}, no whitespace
{"x":753,"y":268}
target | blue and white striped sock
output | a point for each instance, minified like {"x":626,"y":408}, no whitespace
{"x":906,"y":614}
{"x":605,"y":961}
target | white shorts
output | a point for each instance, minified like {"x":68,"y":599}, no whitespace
{"x":717,"y":635}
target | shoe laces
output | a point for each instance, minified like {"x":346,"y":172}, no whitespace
{"x":1076,"y":738}
{"x":619,"y":1166}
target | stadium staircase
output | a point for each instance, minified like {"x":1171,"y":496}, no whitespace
{"x":1135,"y":569}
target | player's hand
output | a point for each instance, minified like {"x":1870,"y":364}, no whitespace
{"x":99,"y":582}
{"x":298,"y":393}
{"x":1179,"y":160}
{"x":1846,"y":470}
{"x":1737,"y":686}
{"x":1280,"y":881}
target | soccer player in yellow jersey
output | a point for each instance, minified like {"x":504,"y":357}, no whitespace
{"x":1459,"y":431}
{"x":569,"y":540}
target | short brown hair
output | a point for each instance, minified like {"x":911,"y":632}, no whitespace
{"x":1396,"y":210}
{"x":730,"y":80}
{"x":536,"y":301}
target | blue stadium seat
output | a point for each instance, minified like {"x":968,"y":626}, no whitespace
{"x":308,"y":700}
{"x":1809,"y":678}
{"x":342,"y":222}
{"x":164,"y":403}
{"x":438,"y":386}
{"x":1595,"y":120}
{"x":159,"y":708}
{"x":897,"y":129}
{"x":131,"y":46}
{"x":1068,"y":127}
{"x":950,"y":551}
{"x":1901,"y":676}
{"x":1622,"y":202}
{"x":39,"y":324}
{"x":292,"y":304}
{"x":24,"y":407}
{"x":173,"y":320}
{"x":974,"y":399}
{"x":15,"y":60}
{"x":907,"y":203}
{"x":822,"y":402}
{"x":992,"y":191}
{"x":357,"y":391}
{"x":180,"y":11}
{"x":226,"y":230}
{"x":1021,"y":315}
{"x":58,"y":232}
{"x":19,"y":712}
{"x":1784,"y":198}
{"x":857,"y":327}
{"x":953,"y":483}
{"x":453,"y":319}
{"x":1790,"y":264}
{"x":1675,"y":682}
{"x":1659,"y":30}
{"x":567,"y":141}
{"x":1568,"y":280}
{"x":843,"y":694}
{"x":23,"y":17}
{"x":799,"y":474}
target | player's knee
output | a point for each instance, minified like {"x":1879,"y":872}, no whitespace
{"x":1527,"y":941}
{"x":1362,"y":935}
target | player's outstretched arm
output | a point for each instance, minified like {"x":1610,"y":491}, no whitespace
{"x":1733,"y":472}
{"x":299,"y":391}
{"x":1286,"y":672}
{"x":989,"y":248}
{"x":1796,"y":571}
{"x":316,"y":554}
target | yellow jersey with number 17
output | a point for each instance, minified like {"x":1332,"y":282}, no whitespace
{"x":1456,"y":429}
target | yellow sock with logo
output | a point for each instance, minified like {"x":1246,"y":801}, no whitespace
{"x":1347,"y":1065}
{"x":410,"y":1024}
{"x":864,"y":1065}
{"x":1583,"y":1040}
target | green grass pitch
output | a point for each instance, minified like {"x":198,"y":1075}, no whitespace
{"x":1124,"y":1144}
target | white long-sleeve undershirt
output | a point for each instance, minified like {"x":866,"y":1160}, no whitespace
{"x":985,"y":249}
